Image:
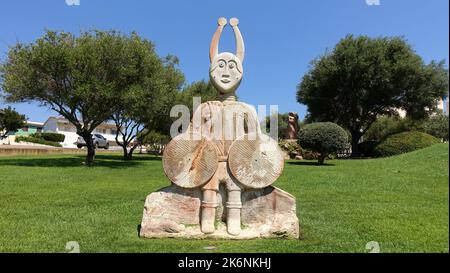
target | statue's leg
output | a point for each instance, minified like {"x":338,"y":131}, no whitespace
{"x":234,"y":205}
{"x":209,"y":205}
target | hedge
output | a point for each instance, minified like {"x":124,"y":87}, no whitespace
{"x":54,"y":137}
{"x":403,"y":143}
{"x":37,"y":141}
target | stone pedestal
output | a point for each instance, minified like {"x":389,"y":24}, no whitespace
{"x":175,"y":212}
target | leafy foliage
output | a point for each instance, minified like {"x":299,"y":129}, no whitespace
{"x":146,"y":106}
{"x":37,"y":140}
{"x":437,"y":126}
{"x":324,"y":138}
{"x":55,"y":137}
{"x":204,"y":90}
{"x":363,"y":78}
{"x":10,"y":121}
{"x":386,"y":126}
{"x":403,"y":143}
{"x":82,"y":78}
{"x":154,"y":141}
{"x":292,"y":148}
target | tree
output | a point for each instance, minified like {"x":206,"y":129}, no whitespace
{"x":204,"y":90}
{"x":363,"y":78}
{"x":10,"y":121}
{"x":145,"y":107}
{"x":386,"y":126}
{"x":154,"y":141}
{"x":81,"y":77}
{"x":324,"y":138}
{"x":437,"y":126}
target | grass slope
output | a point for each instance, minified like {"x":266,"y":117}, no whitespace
{"x":401,"y":202}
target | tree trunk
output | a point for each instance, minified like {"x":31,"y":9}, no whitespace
{"x":126,"y":154}
{"x":132,"y":149}
{"x":356,"y":136}
{"x":322,"y":158}
{"x":90,"y":149}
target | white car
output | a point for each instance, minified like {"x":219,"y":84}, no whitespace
{"x":98,"y":140}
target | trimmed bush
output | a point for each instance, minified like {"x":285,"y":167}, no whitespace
{"x":36,"y":140}
{"x":54,"y":137}
{"x":324,"y":138}
{"x":403,"y":143}
{"x":387,"y":126}
{"x":367,"y":147}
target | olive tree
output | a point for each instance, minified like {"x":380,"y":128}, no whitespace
{"x":80,"y":77}
{"x":10,"y":121}
{"x":363,"y":78}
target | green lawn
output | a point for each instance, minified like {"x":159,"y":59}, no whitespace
{"x":401,"y":202}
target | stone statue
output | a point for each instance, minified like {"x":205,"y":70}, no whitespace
{"x":222,"y":167}
{"x":292,"y":128}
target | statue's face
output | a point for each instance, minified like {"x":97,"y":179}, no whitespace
{"x":226,"y":72}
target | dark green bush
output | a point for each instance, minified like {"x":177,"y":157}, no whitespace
{"x":386,"y":126}
{"x":324,"y":138}
{"x":36,"y":140}
{"x":403,"y":143}
{"x":367,"y":147}
{"x":54,"y":137}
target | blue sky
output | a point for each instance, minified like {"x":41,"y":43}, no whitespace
{"x":281,"y":37}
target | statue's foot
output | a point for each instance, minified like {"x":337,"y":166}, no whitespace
{"x":234,"y":228}
{"x":207,"y":227}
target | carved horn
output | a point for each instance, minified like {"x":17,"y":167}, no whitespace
{"x":214,"y":48}
{"x":240,"y":48}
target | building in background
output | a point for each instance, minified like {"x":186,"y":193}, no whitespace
{"x":29,"y":128}
{"x":442,"y":104}
{"x":63,"y":126}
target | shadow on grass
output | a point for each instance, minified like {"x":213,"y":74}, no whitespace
{"x":308,"y":163}
{"x":136,"y":157}
{"x":109,"y":161}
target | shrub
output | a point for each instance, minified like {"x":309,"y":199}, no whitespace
{"x":386,"y":126}
{"x":54,"y":137}
{"x":292,"y":148}
{"x":324,"y":138}
{"x":403,"y":143}
{"x":36,"y":140}
{"x":437,"y":126}
{"x":367,"y":147}
{"x":154,"y":141}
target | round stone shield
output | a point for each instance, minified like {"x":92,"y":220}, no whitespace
{"x":255,"y":160}
{"x":190,"y":160}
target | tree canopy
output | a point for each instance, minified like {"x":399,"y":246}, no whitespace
{"x":145,"y":107}
{"x":82,"y":78}
{"x":362,"y":78}
{"x":203,"y":89}
{"x":10,"y":121}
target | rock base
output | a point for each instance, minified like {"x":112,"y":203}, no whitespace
{"x":175,"y":212}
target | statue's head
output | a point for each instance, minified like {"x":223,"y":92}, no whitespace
{"x":226,"y":68}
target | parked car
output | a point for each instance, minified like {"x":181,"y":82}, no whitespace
{"x":98,"y":140}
